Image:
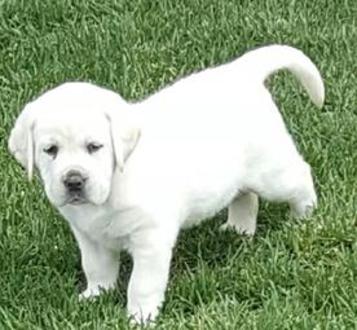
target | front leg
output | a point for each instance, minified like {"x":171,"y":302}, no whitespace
{"x":100,"y":265}
{"x":151,"y":255}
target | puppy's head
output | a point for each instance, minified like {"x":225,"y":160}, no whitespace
{"x":76,"y":135}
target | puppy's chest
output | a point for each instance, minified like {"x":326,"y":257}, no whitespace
{"x":104,"y":226}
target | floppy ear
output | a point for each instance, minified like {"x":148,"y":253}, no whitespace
{"x":125,"y":135}
{"x":21,"y":143}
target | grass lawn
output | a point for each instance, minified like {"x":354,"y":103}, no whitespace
{"x":293,"y":275}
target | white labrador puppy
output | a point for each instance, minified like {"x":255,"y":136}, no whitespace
{"x":129,"y":176}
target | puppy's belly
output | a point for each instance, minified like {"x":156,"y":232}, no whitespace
{"x":210,"y":192}
{"x":204,"y":206}
{"x":196,"y":177}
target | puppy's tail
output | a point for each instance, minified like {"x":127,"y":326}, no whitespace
{"x":263,"y":62}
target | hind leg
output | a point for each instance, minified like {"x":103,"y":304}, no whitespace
{"x":242,"y":214}
{"x":292,"y":184}
{"x":302,"y":195}
{"x":304,"y":201}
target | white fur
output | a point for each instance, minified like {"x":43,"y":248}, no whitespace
{"x":211,"y":140}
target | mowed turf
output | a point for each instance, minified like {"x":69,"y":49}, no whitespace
{"x":292,"y":275}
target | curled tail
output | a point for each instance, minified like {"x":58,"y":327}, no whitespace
{"x":264,"y":61}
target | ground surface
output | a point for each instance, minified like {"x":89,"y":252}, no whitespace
{"x":292,"y":275}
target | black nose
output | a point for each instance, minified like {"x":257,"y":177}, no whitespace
{"x":74,"y":181}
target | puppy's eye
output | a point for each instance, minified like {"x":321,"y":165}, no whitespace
{"x":51,"y":150}
{"x":93,"y":147}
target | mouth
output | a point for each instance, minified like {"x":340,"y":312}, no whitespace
{"x":75,"y":200}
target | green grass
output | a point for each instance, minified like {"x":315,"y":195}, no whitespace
{"x":292,"y":275}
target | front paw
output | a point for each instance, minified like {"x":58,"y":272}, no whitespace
{"x":95,"y":290}
{"x":248,"y":231}
{"x":143,"y":316}
{"x":89,"y":293}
